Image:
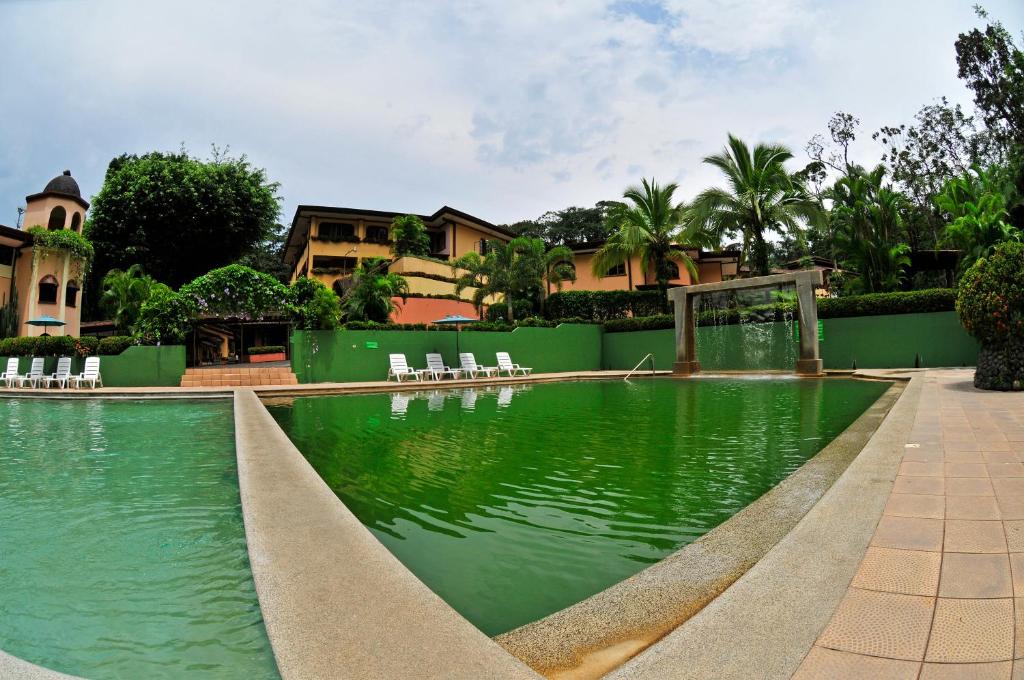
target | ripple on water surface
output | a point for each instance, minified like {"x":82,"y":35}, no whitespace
{"x":122,"y":547}
{"x":515,"y":502}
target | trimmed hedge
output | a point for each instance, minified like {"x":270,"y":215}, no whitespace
{"x":640,"y":323}
{"x":602,"y":305}
{"x":63,"y":346}
{"x":376,"y":326}
{"x":266,"y":349}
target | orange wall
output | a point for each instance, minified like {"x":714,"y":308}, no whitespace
{"x":38,"y":212}
{"x":426,"y":310}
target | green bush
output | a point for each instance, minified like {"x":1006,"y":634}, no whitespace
{"x":990,"y":302}
{"x":63,"y":239}
{"x":266,"y":349}
{"x":40,"y":346}
{"x":601,"y":305}
{"x":640,"y":323}
{"x":86,"y":346}
{"x":115,"y":344}
{"x":166,"y":317}
{"x":314,"y":306}
{"x":872,"y":304}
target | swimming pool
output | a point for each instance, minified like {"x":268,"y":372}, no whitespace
{"x":514,"y":502}
{"x":123,"y":548}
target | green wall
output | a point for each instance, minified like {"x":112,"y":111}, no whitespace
{"x":349,"y":356}
{"x":135,"y":367}
{"x":891,"y":341}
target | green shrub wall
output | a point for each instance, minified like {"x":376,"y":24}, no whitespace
{"x":137,"y":366}
{"x":349,"y":356}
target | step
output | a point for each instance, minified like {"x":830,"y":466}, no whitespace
{"x":238,"y":376}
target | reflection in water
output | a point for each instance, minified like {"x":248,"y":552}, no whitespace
{"x":513,"y":504}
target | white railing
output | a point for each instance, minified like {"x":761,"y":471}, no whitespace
{"x":649,"y":356}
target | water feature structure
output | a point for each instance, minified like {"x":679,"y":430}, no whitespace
{"x":809,"y":362}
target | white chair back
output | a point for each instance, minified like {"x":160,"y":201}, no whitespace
{"x":37,"y":368}
{"x":504,"y":360}
{"x":12,"y":366}
{"x":92,"y":367}
{"x":398,"y":363}
{"x":435,"y":362}
{"x":468,"y":361}
{"x":63,"y":367}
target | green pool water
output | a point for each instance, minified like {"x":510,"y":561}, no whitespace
{"x":516,"y":502}
{"x":122,"y":547}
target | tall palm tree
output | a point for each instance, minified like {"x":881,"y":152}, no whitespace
{"x":652,"y":226}
{"x":371,"y":296}
{"x":762,"y":197}
{"x":122,"y":293}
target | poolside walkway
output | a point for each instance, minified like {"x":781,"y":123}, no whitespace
{"x":940,"y":590}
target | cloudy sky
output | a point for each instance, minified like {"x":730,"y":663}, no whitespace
{"x":501,"y":109}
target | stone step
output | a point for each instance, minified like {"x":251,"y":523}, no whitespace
{"x":238,"y":376}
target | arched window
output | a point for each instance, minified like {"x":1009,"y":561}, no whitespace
{"x":76,"y":222}
{"x":57,"y":218}
{"x":48,"y":288}
{"x":71,"y":294}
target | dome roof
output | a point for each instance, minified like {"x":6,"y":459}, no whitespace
{"x":63,"y":184}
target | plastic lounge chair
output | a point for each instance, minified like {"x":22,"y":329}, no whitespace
{"x":10,"y":375}
{"x":472,"y":369}
{"x":90,"y":375}
{"x":34,"y":375}
{"x":62,"y":376}
{"x":400,"y":369}
{"x":437,"y":370}
{"x":505,"y":365}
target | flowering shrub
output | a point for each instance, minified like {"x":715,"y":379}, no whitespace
{"x":166,"y":317}
{"x":314,"y":306}
{"x":237,"y":292}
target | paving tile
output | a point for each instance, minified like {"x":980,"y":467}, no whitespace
{"x":968,"y":631}
{"x":1000,"y":457}
{"x":966,"y":470}
{"x":910,"y":533}
{"x":994,"y":446}
{"x":919,"y":485}
{"x":968,"y":486}
{"x":918,"y":505}
{"x":1014,"y":529}
{"x":1005,"y":469}
{"x":972,"y":507}
{"x":912,"y":469}
{"x":952,"y":445}
{"x":975,"y":575}
{"x":974,"y":536}
{"x":880,"y":624}
{"x":1009,"y":487}
{"x":999,"y":670}
{"x":927,"y":453}
{"x":1011,"y":508}
{"x":910,"y":572}
{"x":1018,"y":644}
{"x":821,"y":664}
{"x":964,"y":457}
{"x":1017,"y":571}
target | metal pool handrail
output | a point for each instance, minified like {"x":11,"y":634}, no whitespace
{"x":649,"y":356}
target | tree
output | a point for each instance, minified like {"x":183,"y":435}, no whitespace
{"x":650,"y":226}
{"x":568,"y":226}
{"x":370,"y":297}
{"x":178,"y":216}
{"x":518,"y":271}
{"x":122,"y":294}
{"x":867,"y":216}
{"x":762,"y":197}
{"x":409,"y":236}
{"x":976,"y":205}
{"x":315,"y":307}
{"x":842,"y":130}
{"x":265,"y":256}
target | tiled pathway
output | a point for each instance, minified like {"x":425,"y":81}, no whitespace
{"x":940,"y":591}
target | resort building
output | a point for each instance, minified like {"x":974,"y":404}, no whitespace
{"x":44,"y":281}
{"x":328,"y":243}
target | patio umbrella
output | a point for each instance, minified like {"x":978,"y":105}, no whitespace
{"x":458,"y":320}
{"x":45,"y":321}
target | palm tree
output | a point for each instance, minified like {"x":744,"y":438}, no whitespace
{"x":867,"y":218}
{"x":371,"y":296}
{"x":122,"y":293}
{"x":762,"y":197}
{"x":978,"y":206}
{"x":651,"y":226}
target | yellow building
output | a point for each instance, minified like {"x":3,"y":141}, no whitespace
{"x":47,"y":282}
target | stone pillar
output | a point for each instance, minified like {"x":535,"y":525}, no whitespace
{"x":809,"y":362}
{"x":686,"y":351}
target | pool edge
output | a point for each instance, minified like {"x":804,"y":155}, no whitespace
{"x":13,"y":668}
{"x":597,"y":635}
{"x":335,"y":602}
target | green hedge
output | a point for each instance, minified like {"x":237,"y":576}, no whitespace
{"x":63,"y":346}
{"x":602,"y":305}
{"x":874,"y":304}
{"x":266,"y":349}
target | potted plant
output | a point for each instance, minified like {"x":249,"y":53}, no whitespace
{"x":259,"y":355}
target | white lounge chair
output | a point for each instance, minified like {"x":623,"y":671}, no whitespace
{"x":436,"y":369}
{"x":34,"y":375}
{"x":400,"y":369}
{"x":505,"y":365}
{"x":472,"y":369}
{"x":62,"y":376}
{"x":90,"y":375}
{"x":10,"y":374}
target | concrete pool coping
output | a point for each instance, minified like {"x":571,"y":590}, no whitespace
{"x":13,"y":668}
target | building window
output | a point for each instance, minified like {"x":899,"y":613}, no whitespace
{"x":377,"y":235}
{"x":6,"y":256}
{"x":71,"y":295}
{"x":57,"y":218}
{"x":76,"y":222}
{"x":438,"y":242}
{"x":48,"y":288}
{"x":483,"y":246}
{"x":330,"y":264}
{"x":617,"y":270}
{"x":337,"y":231}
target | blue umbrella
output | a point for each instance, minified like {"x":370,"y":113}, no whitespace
{"x":45,"y":321}
{"x":458,"y":320}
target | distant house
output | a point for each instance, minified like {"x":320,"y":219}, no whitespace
{"x":712,"y":267}
{"x":47,"y":283}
